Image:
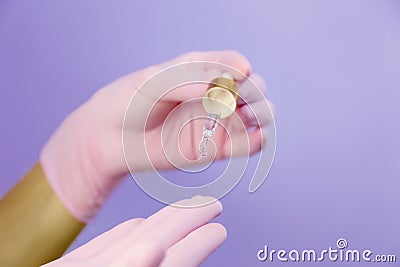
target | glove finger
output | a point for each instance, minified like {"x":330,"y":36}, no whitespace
{"x":103,"y":241}
{"x":244,"y":143}
{"x":259,"y":113}
{"x":141,"y":253}
{"x":203,"y":67}
{"x":169,"y":225}
{"x":252,"y":89}
{"x":229,"y":58}
{"x":179,"y":223}
{"x":201,"y":243}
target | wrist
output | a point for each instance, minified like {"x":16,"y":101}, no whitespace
{"x":74,"y":168}
{"x":33,"y":204}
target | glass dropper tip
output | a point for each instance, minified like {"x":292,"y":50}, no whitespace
{"x":209,"y":128}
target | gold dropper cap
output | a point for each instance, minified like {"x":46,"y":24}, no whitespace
{"x":220,"y":98}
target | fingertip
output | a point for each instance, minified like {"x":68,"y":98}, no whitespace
{"x":272,"y":108}
{"x":219,"y":230}
{"x":264,"y":137}
{"x":209,"y":200}
{"x":200,"y":201}
{"x":257,"y":140}
{"x":252,"y":89}
{"x":259,"y":114}
{"x":259,"y":81}
{"x":220,"y":208}
{"x":238,"y":61}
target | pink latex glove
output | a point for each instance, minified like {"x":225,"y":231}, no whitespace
{"x":84,"y":159}
{"x":171,"y":237}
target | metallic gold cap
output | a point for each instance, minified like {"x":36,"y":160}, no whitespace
{"x":220,"y":98}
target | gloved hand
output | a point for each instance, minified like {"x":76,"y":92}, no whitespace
{"x":171,"y":237}
{"x":84,"y":159}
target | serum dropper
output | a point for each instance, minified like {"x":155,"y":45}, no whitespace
{"x":219,"y":101}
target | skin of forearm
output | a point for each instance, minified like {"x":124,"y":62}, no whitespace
{"x":35,"y":227}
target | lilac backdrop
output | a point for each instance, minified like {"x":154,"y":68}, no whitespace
{"x":332,"y":68}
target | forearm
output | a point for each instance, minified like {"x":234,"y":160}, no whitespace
{"x":35,"y":227}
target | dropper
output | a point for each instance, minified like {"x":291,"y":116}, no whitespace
{"x":220,"y":102}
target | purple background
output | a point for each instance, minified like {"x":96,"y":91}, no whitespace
{"x":333,"y":73}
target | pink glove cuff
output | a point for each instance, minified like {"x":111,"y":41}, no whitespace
{"x":65,"y":160}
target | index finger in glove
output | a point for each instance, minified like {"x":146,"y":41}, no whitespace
{"x":187,"y":77}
